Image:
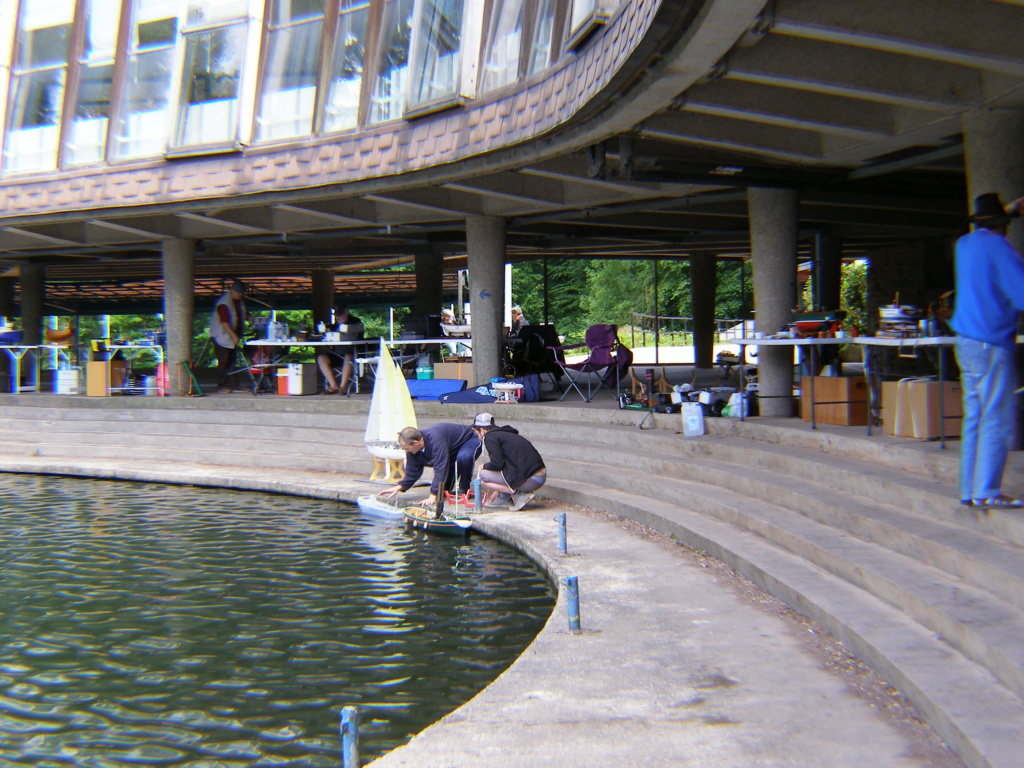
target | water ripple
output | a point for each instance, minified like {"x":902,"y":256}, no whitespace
{"x":164,"y":626}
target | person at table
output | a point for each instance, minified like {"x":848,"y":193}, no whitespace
{"x":226,"y":323}
{"x":514,"y":469}
{"x":349,"y":328}
{"x":989,"y":294}
{"x":451,"y":449}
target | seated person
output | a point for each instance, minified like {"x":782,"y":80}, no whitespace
{"x":451,"y":449}
{"x":514,"y":469}
{"x":350,"y":328}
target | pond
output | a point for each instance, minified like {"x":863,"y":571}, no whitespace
{"x":159,"y":625}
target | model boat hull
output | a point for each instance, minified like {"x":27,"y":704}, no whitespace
{"x":418,"y":517}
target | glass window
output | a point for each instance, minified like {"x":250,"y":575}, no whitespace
{"x":392,"y":66}
{"x":142,"y":126}
{"x":342,"y":108}
{"x":87,"y":135}
{"x":292,"y":65}
{"x":37,"y":93}
{"x":539,"y":57}
{"x":213,"y":65}
{"x":501,"y":65}
{"x":436,"y":51}
{"x":214,"y":50}
{"x":205,"y":12}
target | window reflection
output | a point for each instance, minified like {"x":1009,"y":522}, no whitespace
{"x":40,"y":67}
{"x":543,"y":33}
{"x":436,"y":68}
{"x":292,"y":65}
{"x":387,"y":97}
{"x":142,"y":126}
{"x":501,"y":64}
{"x":213,"y":67}
{"x":342,"y":108}
{"x":87,"y":136}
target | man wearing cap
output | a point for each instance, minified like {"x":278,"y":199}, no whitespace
{"x":451,"y":449}
{"x":226,"y":323}
{"x":989,"y":294}
{"x":349,"y":328}
{"x":514,"y":467}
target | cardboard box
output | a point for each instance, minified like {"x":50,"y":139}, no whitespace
{"x":910,"y":408}
{"x":282,"y":381}
{"x":840,"y":400}
{"x":302,"y":379}
{"x":454,"y":371}
{"x":101,"y":375}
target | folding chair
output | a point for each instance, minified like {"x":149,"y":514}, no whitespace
{"x":608,"y":358}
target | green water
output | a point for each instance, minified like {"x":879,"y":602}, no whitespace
{"x":150,"y":625}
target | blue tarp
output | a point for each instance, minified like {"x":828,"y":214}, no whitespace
{"x":432,"y":389}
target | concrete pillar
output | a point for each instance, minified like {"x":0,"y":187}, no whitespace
{"x":323,"y":295}
{"x":430,"y":280}
{"x":773,"y":239}
{"x":485,"y":246}
{"x":703,"y":285}
{"x":7,"y":310}
{"x":828,"y":272}
{"x":179,"y":268}
{"x":33,"y":296}
{"x":994,"y":158}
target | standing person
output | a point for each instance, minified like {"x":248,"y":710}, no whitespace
{"x":451,"y":449}
{"x":226,"y":323}
{"x":350,"y":328}
{"x":989,"y":294}
{"x":519,"y":322}
{"x":513,"y":468}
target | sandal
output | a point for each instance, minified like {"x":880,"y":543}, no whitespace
{"x":333,"y":390}
{"x":999,"y":502}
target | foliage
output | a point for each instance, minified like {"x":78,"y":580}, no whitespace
{"x":853,"y":295}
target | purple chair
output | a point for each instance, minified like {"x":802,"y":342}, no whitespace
{"x":608,"y":358}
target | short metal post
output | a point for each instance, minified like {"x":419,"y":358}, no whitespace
{"x":562,"y":550}
{"x":478,"y":502}
{"x":572,"y":593}
{"x":349,"y":737}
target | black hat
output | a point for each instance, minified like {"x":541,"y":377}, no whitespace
{"x":989,"y":210}
{"x":238,"y":287}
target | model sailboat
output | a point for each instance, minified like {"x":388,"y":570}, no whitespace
{"x":391,"y":411}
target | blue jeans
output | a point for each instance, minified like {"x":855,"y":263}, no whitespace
{"x":987,"y":376}
{"x":465,"y":458}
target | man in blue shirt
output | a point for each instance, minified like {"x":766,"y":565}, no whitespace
{"x":451,"y":449}
{"x":989,"y":294}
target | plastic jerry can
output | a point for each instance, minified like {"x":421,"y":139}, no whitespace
{"x":693,"y":420}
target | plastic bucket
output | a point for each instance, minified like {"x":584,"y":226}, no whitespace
{"x":425,"y":372}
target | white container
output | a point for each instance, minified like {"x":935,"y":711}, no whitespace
{"x":302,"y":379}
{"x":693,"y":419}
{"x":149,"y":386}
{"x":67,"y":381}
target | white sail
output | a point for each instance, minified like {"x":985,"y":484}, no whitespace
{"x":391,"y":408}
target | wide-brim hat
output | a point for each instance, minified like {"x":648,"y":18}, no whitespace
{"x":989,"y":210}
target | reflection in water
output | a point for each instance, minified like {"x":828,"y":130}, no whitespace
{"x":147,"y":625}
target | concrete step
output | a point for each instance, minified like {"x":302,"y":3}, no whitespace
{"x":973,"y":621}
{"x":965,"y":703}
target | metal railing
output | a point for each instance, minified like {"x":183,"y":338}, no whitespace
{"x":668,"y":331}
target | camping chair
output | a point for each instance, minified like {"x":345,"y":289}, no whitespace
{"x":608,"y":358}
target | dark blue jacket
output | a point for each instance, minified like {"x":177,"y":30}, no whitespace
{"x":441,"y":443}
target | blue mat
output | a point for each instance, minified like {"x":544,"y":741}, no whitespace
{"x":432,"y":389}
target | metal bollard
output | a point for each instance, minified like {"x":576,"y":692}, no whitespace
{"x":478,"y":502}
{"x":562,"y":549}
{"x":349,"y":737}
{"x":572,"y":592}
